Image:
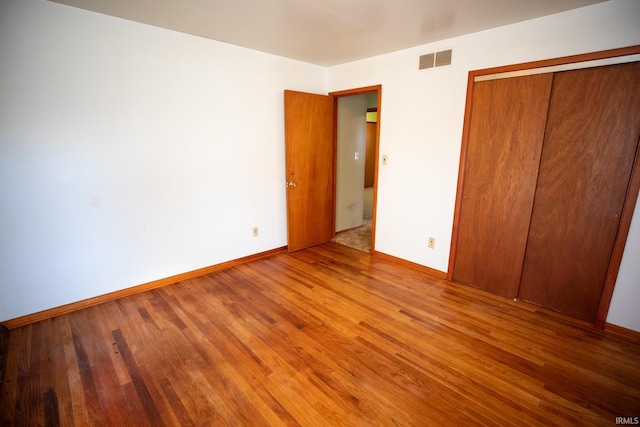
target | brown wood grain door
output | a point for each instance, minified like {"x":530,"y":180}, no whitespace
{"x":589,"y":149}
{"x":309,"y":150}
{"x":503,"y":154}
{"x":370,"y":154}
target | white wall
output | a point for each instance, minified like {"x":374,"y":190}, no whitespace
{"x":626,"y":296}
{"x":351,"y":139}
{"x":421,"y":125}
{"x":130,"y":153}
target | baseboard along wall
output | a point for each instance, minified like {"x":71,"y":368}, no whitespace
{"x":79,"y":305}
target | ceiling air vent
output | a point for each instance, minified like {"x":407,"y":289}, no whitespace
{"x":437,"y":59}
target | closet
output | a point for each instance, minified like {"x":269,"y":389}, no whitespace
{"x":548,"y":163}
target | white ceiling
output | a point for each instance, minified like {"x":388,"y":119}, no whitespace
{"x":328,"y":32}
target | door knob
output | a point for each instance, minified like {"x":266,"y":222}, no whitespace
{"x":290,"y":184}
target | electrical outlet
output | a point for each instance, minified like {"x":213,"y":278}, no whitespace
{"x":432,"y":243}
{"x":254,"y":230}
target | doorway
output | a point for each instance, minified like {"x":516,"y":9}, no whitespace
{"x":356,"y":142}
{"x":311,"y":166}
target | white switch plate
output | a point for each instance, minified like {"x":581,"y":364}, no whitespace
{"x":254,"y":231}
{"x":357,"y":156}
{"x":384,"y":159}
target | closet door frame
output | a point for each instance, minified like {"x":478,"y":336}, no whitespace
{"x":634,"y":182}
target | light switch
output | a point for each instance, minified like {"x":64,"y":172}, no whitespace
{"x":357,"y":156}
{"x":384,"y":159}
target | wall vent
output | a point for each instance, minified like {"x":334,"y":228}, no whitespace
{"x":427,"y":61}
{"x":437,"y":59}
{"x":443,"y":58}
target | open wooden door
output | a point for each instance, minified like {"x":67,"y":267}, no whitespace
{"x":309,"y":150}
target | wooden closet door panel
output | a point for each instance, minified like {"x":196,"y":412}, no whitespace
{"x":505,"y":139}
{"x":590,"y":144}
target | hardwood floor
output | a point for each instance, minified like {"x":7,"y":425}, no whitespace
{"x":325,"y":336}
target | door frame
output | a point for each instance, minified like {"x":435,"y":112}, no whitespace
{"x":632,"y":189}
{"x":350,"y":92}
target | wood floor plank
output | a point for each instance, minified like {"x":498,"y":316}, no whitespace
{"x":105,"y":314}
{"x":324,"y":336}
{"x":177,"y":405}
{"x":142,"y":331}
{"x":16,"y":347}
{"x":141,"y":388}
{"x":25,"y":402}
{"x":71,"y":370}
{"x":51,"y":412}
{"x":58,"y":377}
{"x":90,"y":392}
{"x":135,"y":407}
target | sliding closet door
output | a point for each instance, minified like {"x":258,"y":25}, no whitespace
{"x":503,"y":155}
{"x":589,"y":148}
